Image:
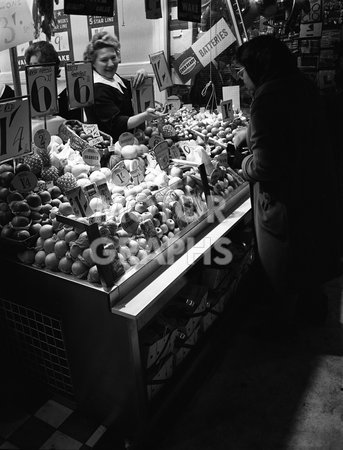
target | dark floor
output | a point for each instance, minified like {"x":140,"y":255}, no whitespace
{"x":251,"y":393}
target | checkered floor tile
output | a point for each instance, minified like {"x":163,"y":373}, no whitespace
{"x":52,"y":426}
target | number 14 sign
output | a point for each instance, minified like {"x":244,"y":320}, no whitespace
{"x":15,"y":128}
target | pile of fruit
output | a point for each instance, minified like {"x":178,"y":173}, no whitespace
{"x":138,"y":206}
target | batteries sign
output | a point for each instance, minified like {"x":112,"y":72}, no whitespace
{"x":79,"y":79}
{"x":204,"y":50}
{"x":42,"y":88}
{"x":15,"y":128}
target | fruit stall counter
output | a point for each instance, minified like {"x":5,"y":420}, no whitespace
{"x":107,"y":349}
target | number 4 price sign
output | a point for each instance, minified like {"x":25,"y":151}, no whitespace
{"x":79,"y":79}
{"x":15,"y":128}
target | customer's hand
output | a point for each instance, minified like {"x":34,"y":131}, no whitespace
{"x":240,"y":138}
{"x":140,"y":76}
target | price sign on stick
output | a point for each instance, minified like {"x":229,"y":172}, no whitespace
{"x":16,"y":24}
{"x":161,"y":151}
{"x":15,"y":128}
{"x":161,"y":70}
{"x":227,"y":110}
{"x":79,"y":79}
{"x":120,"y":175}
{"x":42,"y":138}
{"x":42,"y":88}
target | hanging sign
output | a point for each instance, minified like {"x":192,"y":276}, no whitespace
{"x":204,"y":50}
{"x":161,"y":70}
{"x":103,"y":23}
{"x":62,"y":37}
{"x":15,"y":128}
{"x":227,"y":110}
{"x":189,"y":10}
{"x":79,"y":80}
{"x":153,"y":9}
{"x":42,"y":88}
{"x":161,"y":151}
{"x":15,"y":23}
{"x":89,"y":7}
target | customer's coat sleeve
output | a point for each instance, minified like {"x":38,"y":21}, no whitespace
{"x":266,"y":128}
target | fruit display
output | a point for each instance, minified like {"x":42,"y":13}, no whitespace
{"x":140,"y":200}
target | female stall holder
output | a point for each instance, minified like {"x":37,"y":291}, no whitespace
{"x":112,"y":109}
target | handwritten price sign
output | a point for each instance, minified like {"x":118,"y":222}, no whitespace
{"x":16,"y":26}
{"x":15,"y":128}
{"x":161,"y":151}
{"x":42,"y":88}
{"x":161,"y":70}
{"x":79,"y":79}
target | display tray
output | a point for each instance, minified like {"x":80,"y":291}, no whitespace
{"x":138,"y":277}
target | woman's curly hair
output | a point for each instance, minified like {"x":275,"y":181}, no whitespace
{"x":45,"y":52}
{"x":100,"y":40}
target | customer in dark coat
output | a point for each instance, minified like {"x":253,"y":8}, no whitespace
{"x":292,"y":177}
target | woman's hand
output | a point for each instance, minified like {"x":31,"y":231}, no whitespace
{"x":153,"y":114}
{"x":140,"y":76}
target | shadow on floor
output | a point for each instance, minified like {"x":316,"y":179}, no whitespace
{"x":263,"y":394}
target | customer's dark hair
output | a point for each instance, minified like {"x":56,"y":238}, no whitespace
{"x":45,"y":52}
{"x":266,"y":58}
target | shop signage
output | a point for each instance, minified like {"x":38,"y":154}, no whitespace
{"x":160,"y":67}
{"x":204,"y":50}
{"x":161,"y":151}
{"x":153,"y":9}
{"x":104,"y":23}
{"x":189,"y":10}
{"x":62,"y":37}
{"x":16,"y":24}
{"x":79,"y":79}
{"x":15,"y":128}
{"x":89,"y":7}
{"x":42,"y":88}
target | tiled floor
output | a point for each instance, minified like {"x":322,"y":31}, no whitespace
{"x":52,"y":426}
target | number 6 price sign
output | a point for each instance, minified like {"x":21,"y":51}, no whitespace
{"x":15,"y":128}
{"x":42,"y":89}
{"x":79,"y":79}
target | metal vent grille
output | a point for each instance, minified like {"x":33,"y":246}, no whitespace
{"x":38,"y":340}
